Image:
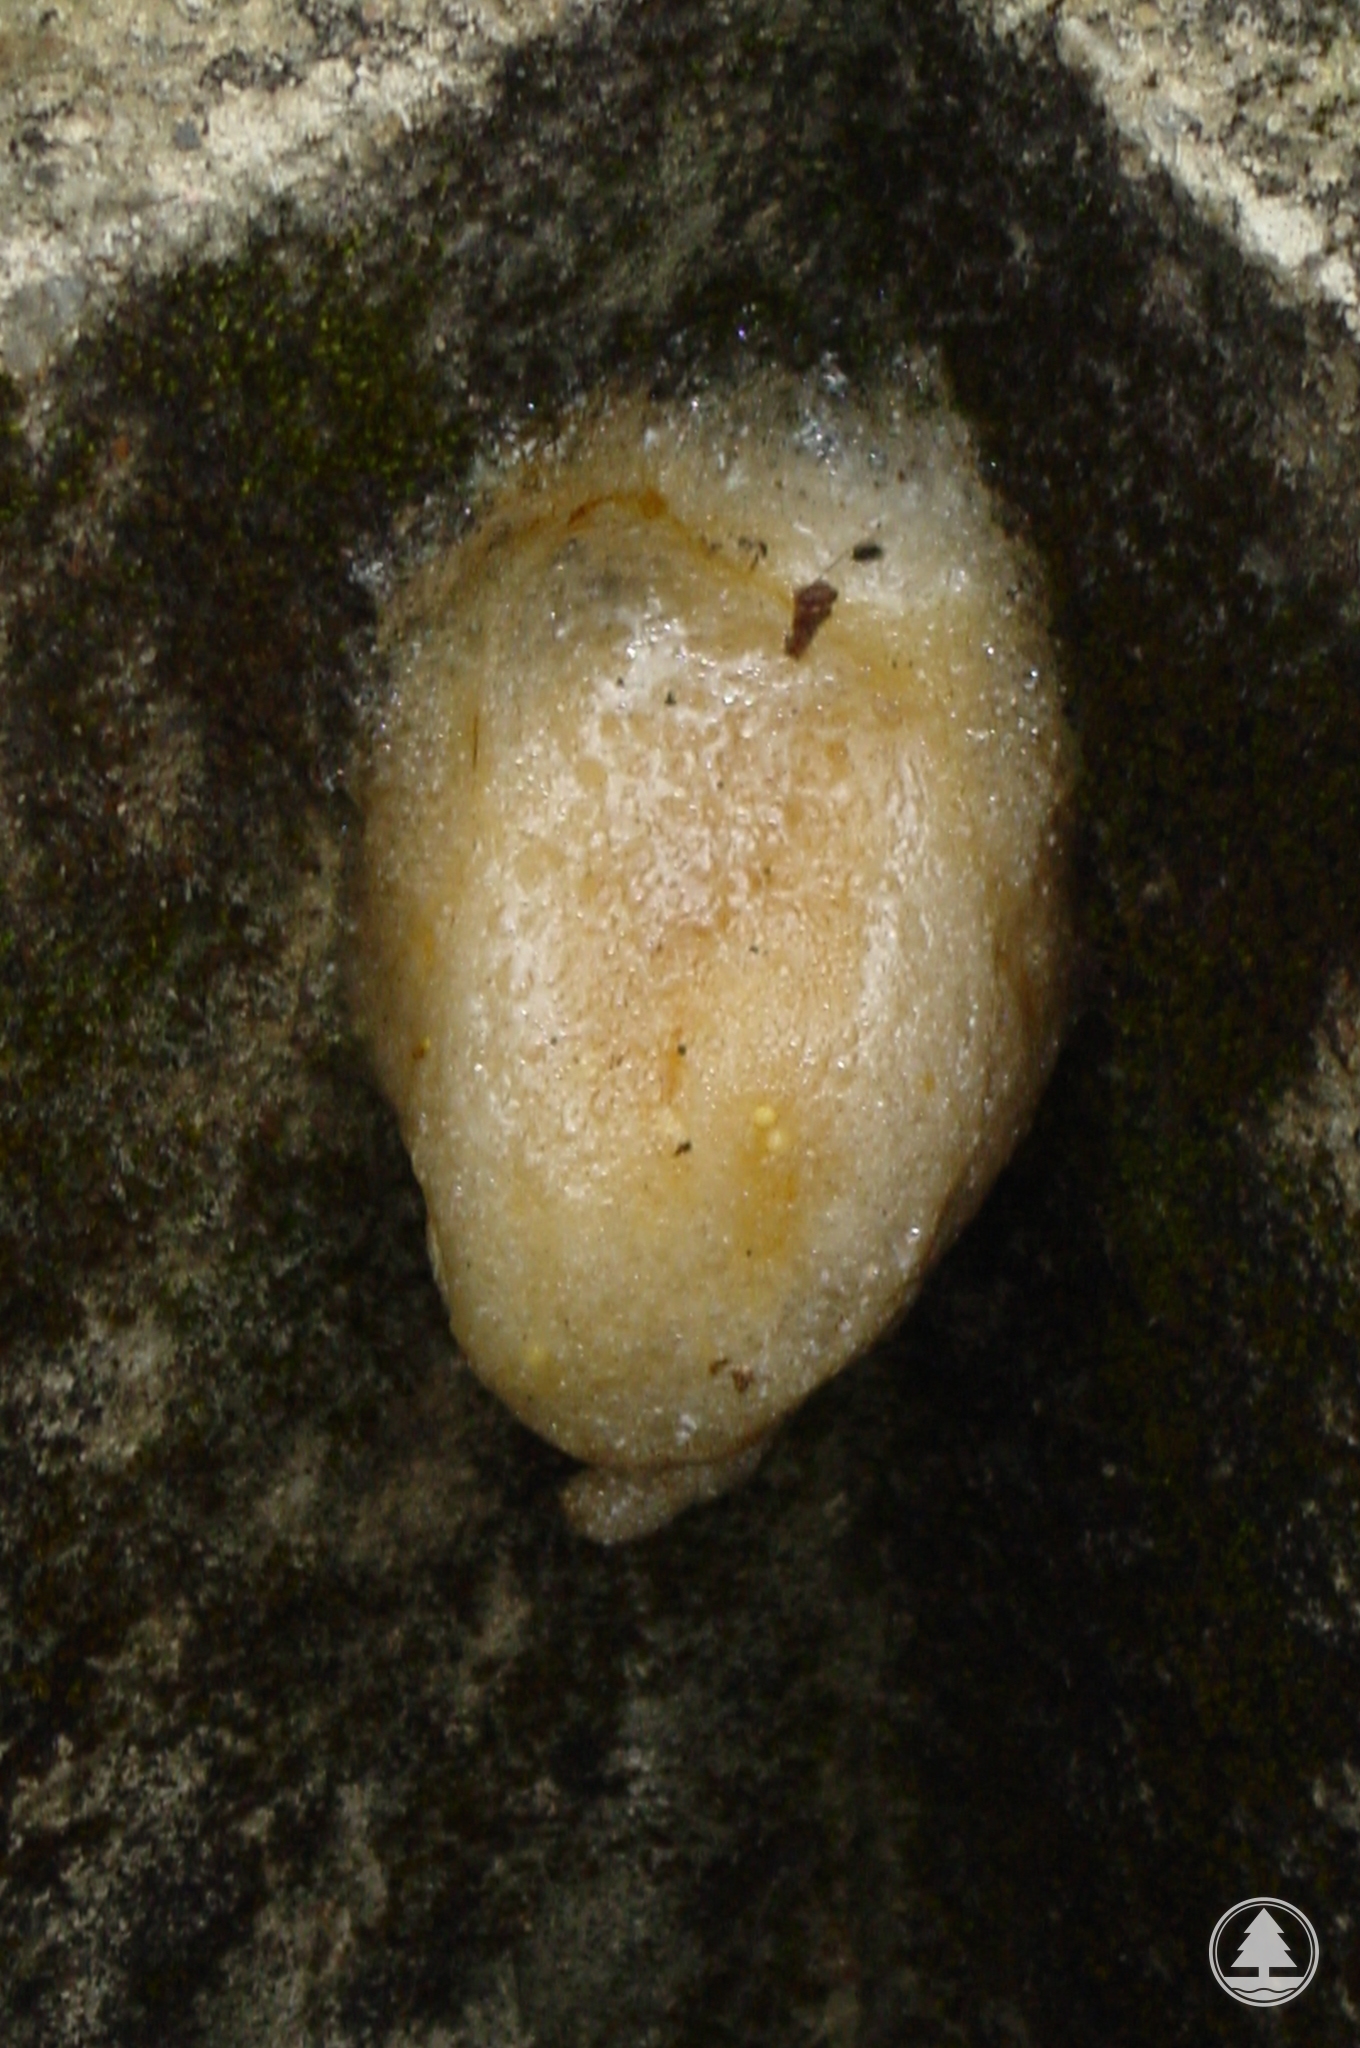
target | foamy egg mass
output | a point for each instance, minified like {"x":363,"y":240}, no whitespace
{"x":712,"y":935}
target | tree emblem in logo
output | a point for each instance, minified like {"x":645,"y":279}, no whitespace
{"x":1263,"y":1952}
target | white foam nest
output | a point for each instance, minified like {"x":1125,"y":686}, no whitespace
{"x":713,"y":938}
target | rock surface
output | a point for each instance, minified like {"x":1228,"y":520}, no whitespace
{"x":150,"y":132}
{"x":1034,"y":1644}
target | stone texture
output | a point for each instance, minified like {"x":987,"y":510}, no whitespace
{"x":1251,"y":112}
{"x":1034,"y":1644}
{"x":147,"y":133}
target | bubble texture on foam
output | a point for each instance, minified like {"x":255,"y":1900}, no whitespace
{"x":712,"y":987}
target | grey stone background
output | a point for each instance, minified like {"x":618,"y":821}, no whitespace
{"x":1034,"y":1644}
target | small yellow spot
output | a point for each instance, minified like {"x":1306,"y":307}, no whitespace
{"x":763,"y":1117}
{"x":420,"y":1048}
{"x":776,"y":1140}
{"x":535,"y":1357}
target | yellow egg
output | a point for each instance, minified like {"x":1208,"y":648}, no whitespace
{"x":713,"y":938}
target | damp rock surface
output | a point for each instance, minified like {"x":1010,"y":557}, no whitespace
{"x":1033,"y":1645}
{"x":148,"y":132}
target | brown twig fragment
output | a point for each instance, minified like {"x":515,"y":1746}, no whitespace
{"x":811,"y":609}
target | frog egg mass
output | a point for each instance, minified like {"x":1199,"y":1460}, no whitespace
{"x":712,"y":930}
